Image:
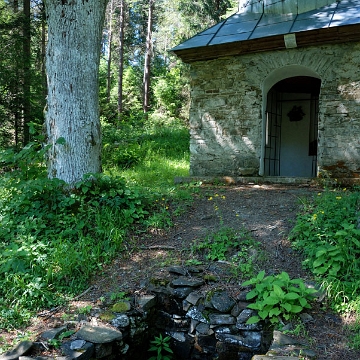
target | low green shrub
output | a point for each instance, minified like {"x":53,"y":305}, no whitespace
{"x":277,"y":296}
{"x":328,"y":234}
{"x":54,"y":238}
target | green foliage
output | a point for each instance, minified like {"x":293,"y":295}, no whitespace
{"x":277,"y":296}
{"x":152,"y":153}
{"x":327,"y":233}
{"x":121,"y":295}
{"x":161,"y":345}
{"x":54,"y":238}
{"x":48,"y":232}
{"x":218,"y":244}
{"x":169,"y":92}
{"x":354,"y":334}
{"x":226,"y":244}
{"x":85,"y":310}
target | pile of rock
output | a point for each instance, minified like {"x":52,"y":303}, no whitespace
{"x":203,"y":323}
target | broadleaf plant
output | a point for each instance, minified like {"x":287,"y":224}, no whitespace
{"x":277,"y":296}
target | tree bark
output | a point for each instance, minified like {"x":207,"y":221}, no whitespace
{"x":26,"y":71}
{"x":121,"y":57}
{"x":73,"y":57}
{"x":148,"y":53}
{"x":109,"y":60}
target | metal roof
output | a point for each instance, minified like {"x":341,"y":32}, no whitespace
{"x":251,"y":26}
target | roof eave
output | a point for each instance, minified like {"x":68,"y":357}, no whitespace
{"x":329,"y":35}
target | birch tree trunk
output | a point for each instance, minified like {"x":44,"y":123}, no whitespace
{"x":72,"y":64}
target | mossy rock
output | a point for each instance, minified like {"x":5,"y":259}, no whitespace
{"x":159,"y":282}
{"x":209,"y":277}
{"x":121,"y":306}
{"x":107,"y":316}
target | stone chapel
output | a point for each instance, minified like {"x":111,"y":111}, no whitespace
{"x":275,"y":91}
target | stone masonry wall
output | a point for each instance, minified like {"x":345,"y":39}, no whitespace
{"x":226,"y":110}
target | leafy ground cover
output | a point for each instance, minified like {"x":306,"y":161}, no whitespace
{"x":53,"y":239}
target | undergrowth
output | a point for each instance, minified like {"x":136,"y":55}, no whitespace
{"x":54,"y":239}
{"x":328,"y":234}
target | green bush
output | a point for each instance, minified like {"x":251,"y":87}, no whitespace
{"x":54,"y":238}
{"x":277,"y":296}
{"x":327,"y":233}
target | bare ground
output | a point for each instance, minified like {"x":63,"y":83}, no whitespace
{"x":268,"y":212}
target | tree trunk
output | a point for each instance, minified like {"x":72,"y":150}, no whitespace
{"x":43,"y":53}
{"x":121,"y":57}
{"x":73,"y":57}
{"x":108,"y":75}
{"x":26,"y":70}
{"x":148,"y":53}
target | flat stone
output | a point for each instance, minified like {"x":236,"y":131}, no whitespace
{"x":178,"y":270}
{"x":306,"y":318}
{"x":20,"y":350}
{"x":193,"y":325}
{"x":194,"y":298}
{"x":248,"y":344}
{"x":182,"y":292}
{"x":99,"y":334}
{"x":84,"y":353}
{"x":53,"y":333}
{"x":239,"y":306}
{"x":196,"y":314}
{"x":204,"y":329}
{"x":177,"y":335}
{"x":222,"y":302}
{"x":221,"y":319}
{"x":121,"y":321}
{"x":280,"y":339}
{"x":245,"y":315}
{"x":77,"y":344}
{"x":184,"y":281}
{"x":146,"y":302}
{"x":226,"y":329}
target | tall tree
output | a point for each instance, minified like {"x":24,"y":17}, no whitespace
{"x":122,"y":6}
{"x":148,"y":54}
{"x":110,"y":14}
{"x":26,"y":70}
{"x":73,"y":57}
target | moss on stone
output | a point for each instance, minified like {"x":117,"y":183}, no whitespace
{"x":121,"y":307}
{"x":107,"y":316}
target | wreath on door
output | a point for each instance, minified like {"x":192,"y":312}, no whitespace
{"x":296,"y":113}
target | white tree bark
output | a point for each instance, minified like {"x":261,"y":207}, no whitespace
{"x":72,"y":64}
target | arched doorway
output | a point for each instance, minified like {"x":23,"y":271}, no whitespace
{"x":290,"y":129}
